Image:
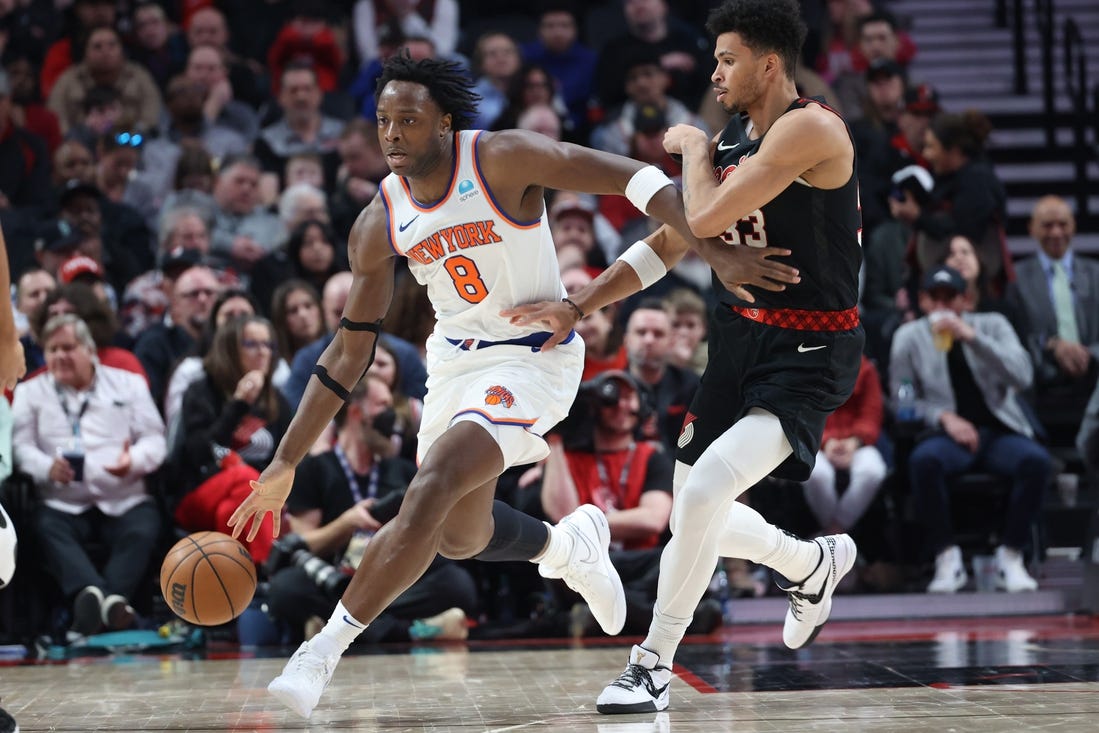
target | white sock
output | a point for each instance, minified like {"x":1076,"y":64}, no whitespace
{"x":748,"y":535}
{"x":338,"y":633}
{"x":558,"y":548}
{"x":665,"y":633}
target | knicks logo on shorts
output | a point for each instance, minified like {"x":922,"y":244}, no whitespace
{"x":688,"y":431}
{"x":497,"y":395}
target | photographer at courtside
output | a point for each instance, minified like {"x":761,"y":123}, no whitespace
{"x":597,"y":456}
{"x":339,"y":499}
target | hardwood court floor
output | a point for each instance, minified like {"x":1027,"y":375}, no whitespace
{"x":1012,"y":674}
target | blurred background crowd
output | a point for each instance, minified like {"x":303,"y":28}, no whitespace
{"x":178,"y":179}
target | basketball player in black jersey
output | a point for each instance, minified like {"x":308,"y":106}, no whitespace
{"x":781,"y":174}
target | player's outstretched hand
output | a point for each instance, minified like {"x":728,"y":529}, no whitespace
{"x":268,"y":495}
{"x":550,"y":315}
{"x":741,"y":266}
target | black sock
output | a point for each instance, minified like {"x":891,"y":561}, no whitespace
{"x":517,"y":536}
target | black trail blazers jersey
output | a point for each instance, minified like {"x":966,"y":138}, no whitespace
{"x":821,"y":227}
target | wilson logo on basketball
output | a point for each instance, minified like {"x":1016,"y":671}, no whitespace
{"x":179,"y":599}
{"x":497,"y":395}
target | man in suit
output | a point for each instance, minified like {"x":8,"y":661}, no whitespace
{"x":967,"y":369}
{"x":1058,"y":294}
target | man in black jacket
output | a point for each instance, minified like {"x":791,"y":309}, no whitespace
{"x":339,"y":499}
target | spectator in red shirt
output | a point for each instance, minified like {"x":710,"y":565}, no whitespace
{"x":848,"y":446}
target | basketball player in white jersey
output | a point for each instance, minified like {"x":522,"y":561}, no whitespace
{"x":467,"y":210}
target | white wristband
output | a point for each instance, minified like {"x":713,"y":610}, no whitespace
{"x":645,"y":262}
{"x":643,"y":186}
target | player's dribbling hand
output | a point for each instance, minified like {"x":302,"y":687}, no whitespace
{"x":553,"y":316}
{"x":738,"y":266}
{"x":268,"y":495}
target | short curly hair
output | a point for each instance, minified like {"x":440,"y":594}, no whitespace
{"x":763,"y":26}
{"x":447,"y":84}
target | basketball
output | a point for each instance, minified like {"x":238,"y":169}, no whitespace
{"x":208,"y":578}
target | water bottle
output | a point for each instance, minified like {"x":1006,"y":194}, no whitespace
{"x":906,"y":402}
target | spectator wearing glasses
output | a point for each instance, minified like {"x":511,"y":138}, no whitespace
{"x":233,"y":417}
{"x":231,"y":303}
{"x":184,"y":243}
{"x":104,"y":64}
{"x":165,"y":343}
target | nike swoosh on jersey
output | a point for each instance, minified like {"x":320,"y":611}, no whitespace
{"x":408,"y":223}
{"x":802,"y":348}
{"x":722,"y":146}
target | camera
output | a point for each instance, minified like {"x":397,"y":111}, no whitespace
{"x":603,"y":390}
{"x":291,"y":550}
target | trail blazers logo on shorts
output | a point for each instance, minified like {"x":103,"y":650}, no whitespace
{"x":688,"y":431}
{"x":497,"y":395}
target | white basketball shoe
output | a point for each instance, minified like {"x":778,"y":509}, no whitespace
{"x":641,"y":688}
{"x":303,"y":680}
{"x":589,"y":571}
{"x":811,"y":600}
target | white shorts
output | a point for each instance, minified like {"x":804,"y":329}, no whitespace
{"x":513,"y":392}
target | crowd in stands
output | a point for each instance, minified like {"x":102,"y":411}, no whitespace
{"x":178,"y":180}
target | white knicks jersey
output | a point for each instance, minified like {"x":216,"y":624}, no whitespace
{"x":474,"y":259}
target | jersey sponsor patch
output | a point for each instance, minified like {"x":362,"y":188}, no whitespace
{"x":466,"y":190}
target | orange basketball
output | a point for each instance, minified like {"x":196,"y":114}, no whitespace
{"x":208,"y":578}
{"x":492,"y":399}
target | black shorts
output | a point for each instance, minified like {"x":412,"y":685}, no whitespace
{"x":801,"y":377}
